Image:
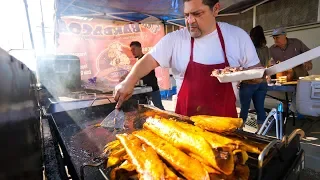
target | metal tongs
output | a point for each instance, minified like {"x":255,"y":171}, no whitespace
{"x":274,"y":117}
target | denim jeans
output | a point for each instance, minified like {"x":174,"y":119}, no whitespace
{"x":156,"y":99}
{"x":256,"y":92}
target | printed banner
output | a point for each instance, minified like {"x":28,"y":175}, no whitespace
{"x":103,"y":47}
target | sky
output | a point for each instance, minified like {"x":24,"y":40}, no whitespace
{"x":14,"y":33}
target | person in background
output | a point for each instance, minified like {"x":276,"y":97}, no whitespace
{"x":172,"y":82}
{"x":150,"y":79}
{"x":255,"y":89}
{"x":173,"y":86}
{"x":285,"y":48}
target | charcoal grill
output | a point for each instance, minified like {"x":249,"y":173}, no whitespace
{"x":82,"y":143}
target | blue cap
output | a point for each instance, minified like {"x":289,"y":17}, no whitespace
{"x":279,"y":31}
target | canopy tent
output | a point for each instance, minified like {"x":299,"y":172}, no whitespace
{"x":166,"y":11}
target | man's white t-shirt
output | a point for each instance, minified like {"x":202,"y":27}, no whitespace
{"x":173,"y":50}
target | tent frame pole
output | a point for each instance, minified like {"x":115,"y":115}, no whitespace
{"x":29,"y":25}
{"x":254,"y":19}
{"x":43,"y":30}
{"x":176,"y":24}
{"x":318,"y":11}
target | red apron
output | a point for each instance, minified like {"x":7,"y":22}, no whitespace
{"x":201,"y":94}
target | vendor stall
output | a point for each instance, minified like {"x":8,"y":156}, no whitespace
{"x":82,"y":141}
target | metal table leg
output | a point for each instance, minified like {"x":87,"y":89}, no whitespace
{"x":287,"y":106}
{"x":286,"y":113}
{"x":293,"y":114}
{"x":287,"y":110}
{"x":294,"y":119}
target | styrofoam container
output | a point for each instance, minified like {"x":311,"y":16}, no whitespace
{"x":308,"y":96}
{"x":241,"y":75}
{"x":293,"y":62}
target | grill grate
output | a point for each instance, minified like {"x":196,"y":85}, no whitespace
{"x":252,"y":120}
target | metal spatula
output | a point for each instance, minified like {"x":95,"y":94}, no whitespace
{"x":114,"y":120}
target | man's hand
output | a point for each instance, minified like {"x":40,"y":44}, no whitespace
{"x":238,"y":85}
{"x":268,"y":78}
{"x":308,"y":65}
{"x":123,"y":92}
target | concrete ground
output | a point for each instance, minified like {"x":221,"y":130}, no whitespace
{"x":311,"y":143}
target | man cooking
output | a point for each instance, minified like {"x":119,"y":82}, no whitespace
{"x":193,"y":53}
{"x":285,"y":48}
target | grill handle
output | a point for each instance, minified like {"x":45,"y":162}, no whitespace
{"x":294,"y":134}
{"x":263,"y":154}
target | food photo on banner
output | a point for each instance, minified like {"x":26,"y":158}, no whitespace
{"x":103,"y":49}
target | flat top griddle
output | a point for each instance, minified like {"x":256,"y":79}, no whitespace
{"x":81,"y":141}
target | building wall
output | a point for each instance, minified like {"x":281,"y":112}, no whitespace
{"x":287,"y":13}
{"x":277,"y":13}
{"x":245,"y":20}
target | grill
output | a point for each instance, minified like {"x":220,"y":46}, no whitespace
{"x":82,"y":143}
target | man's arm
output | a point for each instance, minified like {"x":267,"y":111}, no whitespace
{"x":123,"y":77}
{"x":143,"y":67}
{"x":160,"y":55}
{"x":272,"y":60}
{"x":308,"y":65}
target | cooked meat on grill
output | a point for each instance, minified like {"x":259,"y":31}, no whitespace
{"x":129,"y":170}
{"x":241,"y":156}
{"x":111,"y":145}
{"x":217,"y":124}
{"x":242,"y":172}
{"x":114,"y":160}
{"x":181,"y":162}
{"x":128,"y":166}
{"x":206,"y":166}
{"x":115,"y":153}
{"x":249,"y":146}
{"x":144,"y":157}
{"x":189,"y":142}
{"x":169,"y":174}
{"x":170,"y":150}
{"x":125,"y":171}
{"x":215,"y":140}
